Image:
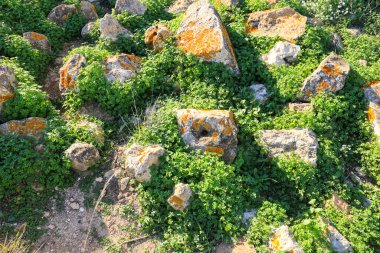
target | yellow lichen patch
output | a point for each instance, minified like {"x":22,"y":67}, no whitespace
{"x":332,"y":71}
{"x":322,"y":86}
{"x":37,"y":36}
{"x":197,"y":124}
{"x":371,"y":115}
{"x":191,"y":24}
{"x":176,"y":200}
{"x":227,"y":129}
{"x":202,"y":42}
{"x":308,"y":93}
{"x":207,"y":126}
{"x":217,"y":150}
{"x":183,"y":130}
{"x":185,"y":118}
{"x":276,"y":242}
{"x":134,"y":58}
{"x":215,"y":136}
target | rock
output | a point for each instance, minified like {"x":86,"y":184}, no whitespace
{"x":180,"y":198}
{"x":300,"y":107}
{"x":30,"y":127}
{"x":363,"y":63}
{"x":99,"y":179}
{"x":355,"y":32}
{"x":372,"y":94}
{"x":156,"y":35}
{"x":259,"y":91}
{"x":180,"y":6}
{"x":68,"y":74}
{"x":74,"y":206}
{"x":94,"y":129}
{"x":138,"y":160}
{"x":339,"y":243}
{"x":38,"y":41}
{"x":228,"y":3}
{"x":88,"y":10}
{"x":51,"y":226}
{"x":82,"y":156}
{"x":303,"y":142}
{"x":123,"y":184}
{"x":209,"y":131}
{"x":240,"y":247}
{"x":328,"y":77}
{"x":61,"y":13}
{"x":87,"y":28}
{"x":81,"y":209}
{"x":337,"y":41}
{"x":202,"y":34}
{"x":111,"y":29}
{"x":282,"y":53}
{"x":7,"y":84}
{"x":340,"y":203}
{"x":285,"y":22}
{"x":132,"y":6}
{"x":248,"y":216}
{"x":121,"y":68}
{"x":282,"y":241}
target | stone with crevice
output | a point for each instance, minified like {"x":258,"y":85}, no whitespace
{"x":69,"y":72}
{"x":282,"y":53}
{"x":111,"y":29}
{"x":179,"y":200}
{"x":121,"y":68}
{"x":38,"y":41}
{"x":131,"y":6}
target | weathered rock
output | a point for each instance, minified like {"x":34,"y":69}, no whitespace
{"x":240,"y":247}
{"x":339,"y":243}
{"x":38,"y":41}
{"x":96,"y":130}
{"x":372,"y":94}
{"x":30,"y":127}
{"x":282,"y":241}
{"x":61,"y":13}
{"x":88,"y":10}
{"x":228,"y":3}
{"x":303,"y":142}
{"x":340,"y":203}
{"x":156,"y":35}
{"x":7,"y":84}
{"x":328,"y":77}
{"x":285,"y":22}
{"x":209,"y":131}
{"x":337,"y":41}
{"x":111,"y":29}
{"x":82,"y":156}
{"x":132,"y":6}
{"x":300,"y":107}
{"x":87,"y":28}
{"x":138,"y":160}
{"x":68,"y":74}
{"x":248,"y":216}
{"x":260,"y":92}
{"x":282,"y":53}
{"x":180,"y":6}
{"x":180,"y":198}
{"x":202,"y":34}
{"x":121,"y":67}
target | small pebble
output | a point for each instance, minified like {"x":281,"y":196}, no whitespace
{"x":46,"y":214}
{"x":99,"y":179}
{"x":74,"y":206}
{"x":51,"y":226}
{"x":81,"y":209}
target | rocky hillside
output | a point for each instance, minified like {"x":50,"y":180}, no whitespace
{"x":189,"y":126}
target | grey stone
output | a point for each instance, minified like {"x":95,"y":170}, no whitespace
{"x":132,"y":6}
{"x":259,"y":91}
{"x":282,"y":53}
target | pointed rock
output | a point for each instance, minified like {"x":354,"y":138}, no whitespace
{"x":111,"y":29}
{"x":89,"y":11}
{"x":70,"y":71}
{"x":282,"y":53}
{"x":122,"y":67}
{"x":180,"y":198}
{"x":283,"y":242}
{"x":82,"y":156}
{"x":156,"y":35}
{"x":61,"y":13}
{"x":372,"y":94}
{"x":30,"y":127}
{"x":328,"y":77}
{"x":7,"y":84}
{"x":38,"y":41}
{"x":132,"y":6}
{"x":285,"y":22}
{"x":202,"y":34}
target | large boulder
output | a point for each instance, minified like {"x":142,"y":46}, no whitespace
{"x":372,"y":94}
{"x":111,"y":29}
{"x":38,"y":41}
{"x":179,"y":200}
{"x":180,"y":6}
{"x":88,"y":10}
{"x":121,"y":67}
{"x":7,"y":84}
{"x":82,"y":156}
{"x":303,"y":142}
{"x":156,"y":35}
{"x":132,"y":6}
{"x":285,"y":23}
{"x":282,"y":53}
{"x":209,"y":131}
{"x":68,"y":74}
{"x":282,"y":241}
{"x":61,"y":13}
{"x":202,"y":34}
{"x":339,"y":243}
{"x":30,"y":127}
{"x":328,"y":77}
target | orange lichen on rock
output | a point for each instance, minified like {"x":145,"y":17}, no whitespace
{"x":29,"y":127}
{"x":332,"y":71}
{"x":37,"y":36}
{"x":176,"y":200}
{"x":5,"y":95}
{"x":70,"y":71}
{"x":322,"y":86}
{"x":121,"y":67}
{"x":217,"y":150}
{"x":179,"y":200}
{"x":371,"y":115}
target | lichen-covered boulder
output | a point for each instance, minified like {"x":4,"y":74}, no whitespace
{"x":61,"y":13}
{"x":339,"y":243}
{"x":180,"y":198}
{"x":300,"y":107}
{"x":111,"y":29}
{"x":38,"y":41}
{"x":156,"y":35}
{"x":202,"y":34}
{"x":328,"y":77}
{"x":259,"y":91}
{"x":282,"y":53}
{"x":180,"y":6}
{"x":68,"y":74}
{"x":96,"y":130}
{"x":372,"y":94}
{"x":283,"y":241}
{"x":30,"y":127}
{"x":303,"y":142}
{"x":82,"y":156}
{"x":7,"y":84}
{"x":340,"y":203}
{"x":138,"y":160}
{"x":121,"y":67}
{"x":285,"y":23}
{"x":209,"y":131}
{"x":87,"y":28}
{"x":88,"y":10}
{"x":132,"y":6}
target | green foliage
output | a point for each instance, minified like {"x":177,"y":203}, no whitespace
{"x":370,"y":155}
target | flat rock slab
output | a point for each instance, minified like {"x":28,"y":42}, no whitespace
{"x":68,"y":74}
{"x":30,"y":127}
{"x":282,"y":241}
{"x":303,"y":142}
{"x":38,"y":41}
{"x":209,"y":131}
{"x":285,"y":23}
{"x":202,"y":34}
{"x":330,"y":76}
{"x":372,"y":94}
{"x":121,"y":67}
{"x":132,"y":6}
